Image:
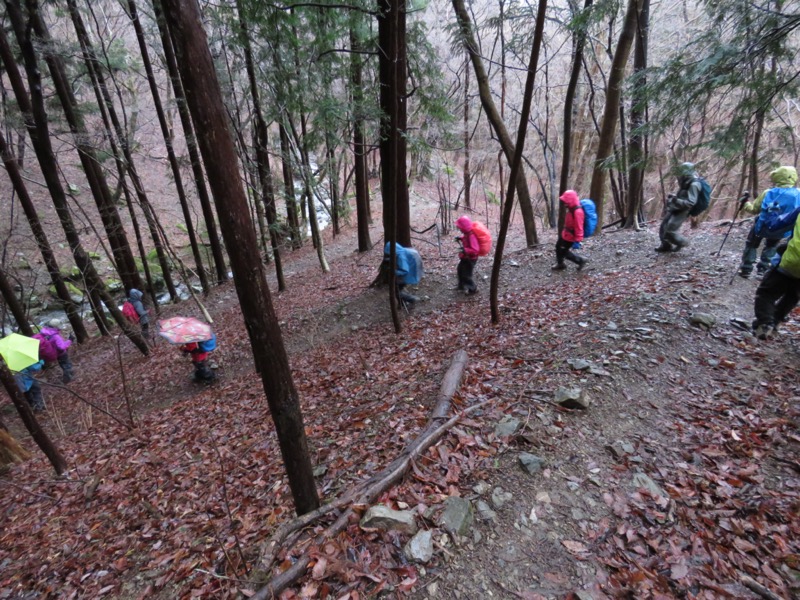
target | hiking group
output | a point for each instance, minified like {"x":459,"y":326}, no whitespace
{"x":776,"y":226}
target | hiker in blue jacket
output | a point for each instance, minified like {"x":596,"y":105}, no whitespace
{"x":26,"y":380}
{"x":678,"y":207}
{"x":783,"y":190}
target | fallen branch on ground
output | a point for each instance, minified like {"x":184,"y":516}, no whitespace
{"x":367,"y":491}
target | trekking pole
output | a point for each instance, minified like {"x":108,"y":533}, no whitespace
{"x":742,"y":200}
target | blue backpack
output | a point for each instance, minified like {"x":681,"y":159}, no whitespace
{"x":703,"y":199}
{"x":208,"y":345}
{"x":590,"y":217}
{"x":779,"y":212}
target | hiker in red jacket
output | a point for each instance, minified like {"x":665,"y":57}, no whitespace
{"x":468,"y":255}
{"x":571,"y":234}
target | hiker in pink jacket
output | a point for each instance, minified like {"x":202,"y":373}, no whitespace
{"x":468,"y":255}
{"x":572,"y":232}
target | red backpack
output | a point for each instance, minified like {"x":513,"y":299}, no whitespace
{"x":484,"y":238}
{"x":130,"y":313}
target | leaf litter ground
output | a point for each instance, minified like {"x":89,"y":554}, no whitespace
{"x":179,"y":507}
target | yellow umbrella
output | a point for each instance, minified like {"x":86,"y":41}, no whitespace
{"x":19,"y":351}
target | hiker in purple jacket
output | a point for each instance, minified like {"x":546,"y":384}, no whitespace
{"x":54,"y":348}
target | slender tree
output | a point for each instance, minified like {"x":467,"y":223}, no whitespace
{"x":38,"y":434}
{"x":95,"y":175}
{"x":191,"y":146}
{"x":33,"y":108}
{"x":14,"y":305}
{"x":359,"y":141}
{"x":166,"y":133}
{"x":516,"y":162}
{"x":261,"y":135}
{"x":608,"y":128}
{"x":495,"y":118}
{"x":205,"y":102}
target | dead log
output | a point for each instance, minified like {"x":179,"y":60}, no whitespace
{"x":367,"y":491}
{"x":10,"y":450}
{"x":759,"y":589}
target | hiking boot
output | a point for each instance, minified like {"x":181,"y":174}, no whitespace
{"x":763,"y":332}
{"x":664,"y":248}
{"x":679,"y":246}
{"x":744,"y":274}
{"x":581,"y":263}
{"x":558,"y":267}
{"x":471,"y":292}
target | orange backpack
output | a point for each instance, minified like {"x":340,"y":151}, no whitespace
{"x":484,"y":238}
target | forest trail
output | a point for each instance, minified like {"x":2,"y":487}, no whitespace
{"x":708,"y":416}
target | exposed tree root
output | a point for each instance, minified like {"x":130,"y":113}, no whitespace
{"x":367,"y":491}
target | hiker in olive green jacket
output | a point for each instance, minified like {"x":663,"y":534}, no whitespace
{"x":779,"y":291}
{"x":782,"y":177}
{"x":678,"y":207}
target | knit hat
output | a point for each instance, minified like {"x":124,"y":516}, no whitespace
{"x":464,"y":224}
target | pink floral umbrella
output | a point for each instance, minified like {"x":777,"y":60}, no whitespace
{"x":184,"y":330}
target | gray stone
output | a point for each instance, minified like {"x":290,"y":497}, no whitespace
{"x":508,"y":426}
{"x":500,"y":497}
{"x":485,"y":512}
{"x":578,"y":364}
{"x":386,"y":519}
{"x":583,"y":595}
{"x":530,"y":463}
{"x":706,"y":320}
{"x":572,"y":398}
{"x":433,"y":588}
{"x":481,"y":488}
{"x":620,"y":448}
{"x":640,"y":480}
{"x":457,"y":516}
{"x":420,"y":547}
{"x":595,"y":370}
{"x":319,"y":470}
{"x":611,"y":326}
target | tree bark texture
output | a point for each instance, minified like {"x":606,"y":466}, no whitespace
{"x":608,"y":126}
{"x":205,"y":102}
{"x":495,"y":119}
{"x":292,"y":217}
{"x":29,"y":420}
{"x":393,"y":75}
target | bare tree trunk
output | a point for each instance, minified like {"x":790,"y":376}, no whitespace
{"x":359,"y":145}
{"x":205,"y":101}
{"x":569,"y":111}
{"x":467,"y":174}
{"x":288,"y":186}
{"x":393,"y":74}
{"x":48,"y":256}
{"x":10,"y":450}
{"x":262,"y":153}
{"x":516,"y":162}
{"x":611,"y":113}
{"x":115,"y":231}
{"x":14,"y":305}
{"x":166,"y":133}
{"x":29,"y":420}
{"x":638,"y":113}
{"x":36,"y":123}
{"x":308,"y":176}
{"x":496,"y":120}
{"x":109,"y":111}
{"x":191,"y":146}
